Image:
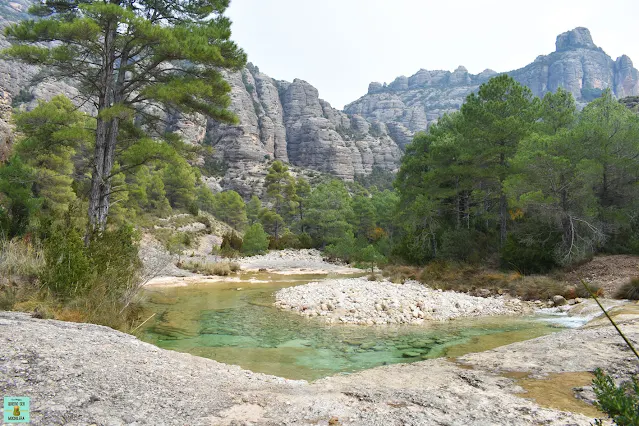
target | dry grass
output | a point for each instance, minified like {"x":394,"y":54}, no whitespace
{"x":22,"y":261}
{"x":479,"y":281}
{"x":98,"y":306}
{"x":20,"y":257}
{"x":400,"y":273}
{"x":630,"y":290}
{"x":221,"y":268}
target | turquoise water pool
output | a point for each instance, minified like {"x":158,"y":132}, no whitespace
{"x":233,"y":321}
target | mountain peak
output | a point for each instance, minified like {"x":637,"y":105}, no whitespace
{"x":578,"y":38}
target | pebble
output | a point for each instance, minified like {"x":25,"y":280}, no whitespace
{"x":363,"y":302}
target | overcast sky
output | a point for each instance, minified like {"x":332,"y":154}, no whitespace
{"x":340,"y":46}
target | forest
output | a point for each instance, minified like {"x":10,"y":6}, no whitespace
{"x":510,"y":181}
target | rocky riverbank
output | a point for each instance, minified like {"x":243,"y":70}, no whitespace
{"x":284,"y":262}
{"x":82,"y":374}
{"x":363,"y":302}
{"x":290,"y":261}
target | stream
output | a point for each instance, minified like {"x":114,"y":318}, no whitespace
{"x":234,"y":321}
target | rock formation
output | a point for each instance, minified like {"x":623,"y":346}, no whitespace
{"x":408,"y":105}
{"x":288,"y":121}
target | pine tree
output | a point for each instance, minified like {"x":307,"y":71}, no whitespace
{"x":497,"y":118}
{"x":280,"y":189}
{"x":126,"y":56}
{"x":17,"y":204}
{"x":302,"y":192}
{"x":253,"y":208}
{"x":330,"y":213}
{"x":53,"y":132}
{"x":230,"y":208}
{"x":255,"y":240}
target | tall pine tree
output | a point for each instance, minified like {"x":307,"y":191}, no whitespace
{"x":126,"y":56}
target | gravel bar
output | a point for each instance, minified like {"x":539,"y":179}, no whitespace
{"x":363,"y":302}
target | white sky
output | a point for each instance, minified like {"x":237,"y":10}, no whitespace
{"x":340,"y":46}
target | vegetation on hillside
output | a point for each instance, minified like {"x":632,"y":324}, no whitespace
{"x":138,"y":64}
{"x":130,"y":59}
{"x":510,"y":181}
{"x":530,"y":182}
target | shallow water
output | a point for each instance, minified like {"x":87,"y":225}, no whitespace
{"x":557,"y":391}
{"x":235,"y":323}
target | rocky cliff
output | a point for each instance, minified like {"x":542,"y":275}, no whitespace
{"x":410,"y":104}
{"x":278,"y":120}
{"x":289,"y":122}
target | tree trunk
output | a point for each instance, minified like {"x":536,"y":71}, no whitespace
{"x":458,"y":203}
{"x":467,"y":209}
{"x":433,"y":244}
{"x":106,"y":136}
{"x":566,"y":222}
{"x":503,"y":205}
{"x":301,"y":207}
{"x":503,"y":212}
{"x":604,"y":186}
{"x":100,"y":182}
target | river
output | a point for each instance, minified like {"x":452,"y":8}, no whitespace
{"x":233,"y":321}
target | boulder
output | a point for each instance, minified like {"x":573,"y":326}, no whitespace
{"x":559,"y":300}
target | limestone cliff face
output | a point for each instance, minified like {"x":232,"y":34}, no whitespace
{"x":277,"y":120}
{"x":408,"y":105}
{"x":580,"y":67}
{"x":288,"y":121}
{"x":6,"y":128}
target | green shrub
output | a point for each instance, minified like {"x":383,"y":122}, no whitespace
{"x":620,"y":403}
{"x":231,"y":240}
{"x":529,"y":258}
{"x":68,"y":267}
{"x":18,"y":207}
{"x":114,"y":259}
{"x":306,"y":242}
{"x":463,"y":245}
{"x":231,"y":245}
{"x":371,"y":256}
{"x":193,"y":208}
{"x":287,"y":240}
{"x":345,"y":249}
{"x":256,"y":241}
{"x":97,"y":283}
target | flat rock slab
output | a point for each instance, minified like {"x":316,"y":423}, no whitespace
{"x":79,"y":374}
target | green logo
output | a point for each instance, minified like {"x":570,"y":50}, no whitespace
{"x":16,"y":409}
